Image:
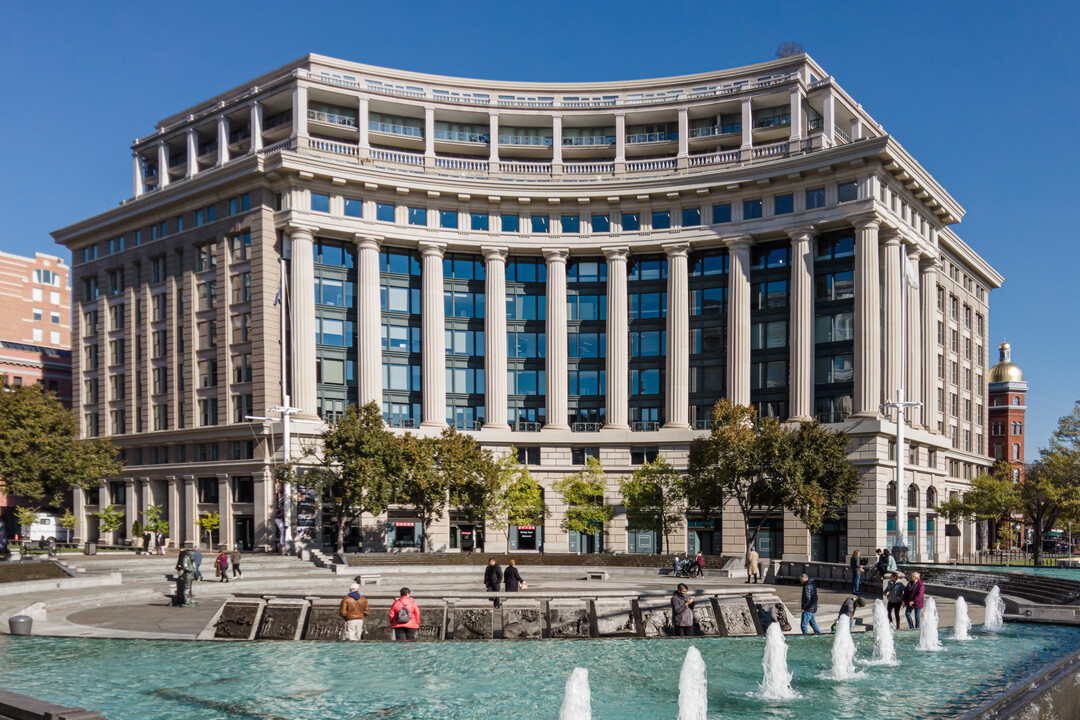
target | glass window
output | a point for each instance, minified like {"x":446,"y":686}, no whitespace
{"x":751,"y":209}
{"x":721,"y":213}
{"x":448,"y":219}
{"x":661,"y":220}
{"x":587,"y":271}
{"x":815,"y":198}
{"x":691,"y":217}
{"x":784,"y":204}
{"x":511,"y":223}
{"x":320,"y":203}
{"x":631,"y":222}
{"x":418,"y":216}
{"x":571,"y":224}
{"x":601,"y":223}
{"x":353,"y":208}
{"x":846,"y":192}
{"x":539,"y":223}
{"x":478,"y":221}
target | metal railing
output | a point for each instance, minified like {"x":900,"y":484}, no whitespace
{"x":816,"y":124}
{"x":331,"y":118}
{"x":831,"y":417}
{"x":207,"y":148}
{"x":705,"y":131}
{"x":281,"y":118}
{"x":645,"y":426}
{"x":586,"y":427}
{"x":594,"y":140}
{"x":401,"y":422}
{"x":461,"y":136}
{"x":526,"y":140}
{"x":777,"y":121}
{"x":652,"y":137}
{"x":702,"y":425}
{"x":526,"y":426}
{"x":240,"y":135}
{"x":408,"y":130}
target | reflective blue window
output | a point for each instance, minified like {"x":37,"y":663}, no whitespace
{"x":846,"y":192}
{"x":815,"y":198}
{"x":540,"y":223}
{"x":526,"y":271}
{"x":571,"y":224}
{"x":384,"y":212}
{"x":751,"y":209}
{"x":418,"y":216}
{"x":586,"y":271}
{"x":478,"y":221}
{"x":526,"y":307}
{"x":511,"y":223}
{"x":691,"y":217}
{"x":320,"y":203}
{"x":784,"y":204}
{"x":354,"y":208}
{"x":448,"y":219}
{"x":399,"y":262}
{"x":661,"y":220}
{"x":586,"y":307}
{"x":601,"y":224}
{"x":631,"y":222}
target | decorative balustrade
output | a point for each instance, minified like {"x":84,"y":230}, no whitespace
{"x":588,"y":168}
{"x":461,"y":164}
{"x":331,"y":118}
{"x":841,"y":135}
{"x":771,"y":150}
{"x":397,"y":156}
{"x":649,"y":165}
{"x":390,"y":90}
{"x":336,"y":148}
{"x":277,"y":147}
{"x":586,"y":427}
{"x":525,"y":426}
{"x":724,"y":157}
{"x":525,"y":168}
{"x":645,"y":426}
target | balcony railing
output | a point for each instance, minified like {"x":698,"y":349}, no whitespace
{"x":207,"y":148}
{"x":656,"y":164}
{"x":452,"y":163}
{"x":331,"y":118}
{"x":778,"y":121}
{"x":177,"y":160}
{"x":725,"y":157}
{"x":394,"y":156}
{"x":831,"y":417}
{"x":400,"y":422}
{"x":461,"y":136}
{"x":771,"y":150}
{"x":282,"y":118}
{"x":645,"y":426}
{"x":841,"y":134}
{"x":466,"y":424}
{"x":816,"y":124}
{"x":652,"y":137}
{"x":526,"y":140}
{"x":525,"y":426}
{"x":586,"y":426}
{"x":408,"y":130}
{"x":601,"y":140}
{"x":704,"y":131}
{"x":588,"y":168}
{"x":702,"y":425}
{"x":240,"y":135}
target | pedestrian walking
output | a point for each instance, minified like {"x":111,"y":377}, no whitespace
{"x":894,"y":597}
{"x":751,"y":565}
{"x":160,"y":537}
{"x":493,"y":576}
{"x":196,"y":558}
{"x":700,"y":562}
{"x":405,"y":616}
{"x":809,"y":604}
{"x":354,"y":608}
{"x":856,"y":571}
{"x":222,"y":566}
{"x":914,"y":597}
{"x":512,"y":578}
{"x":676,"y":566}
{"x":147,"y":542}
{"x":234,"y":558}
{"x":682,"y":613}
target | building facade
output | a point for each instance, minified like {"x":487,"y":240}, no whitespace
{"x":569,"y":270}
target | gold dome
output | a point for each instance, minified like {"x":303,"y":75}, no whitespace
{"x":1006,"y":370}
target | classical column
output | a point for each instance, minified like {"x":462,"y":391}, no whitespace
{"x":192,"y":152}
{"x":362,"y":113}
{"x":684,"y":132}
{"x":796,"y":114}
{"x":137,"y":177}
{"x":677,"y":396}
{"x":913,"y":361}
{"x":255,"y":127}
{"x":225,"y":528}
{"x":368,"y":321}
{"x":299,"y":110}
{"x":620,"y":140}
{"x":429,"y":133}
{"x":162,"y":165}
{"x":222,"y":140}
{"x":493,"y":141}
{"x":131,"y":505}
{"x":738,"y":320}
{"x":891,"y":328}
{"x":434,"y":337}
{"x":191,"y":532}
{"x":618,"y":333}
{"x":867,"y":317}
{"x":175,"y":515}
{"x":495,"y":401}
{"x":928,"y":290}
{"x":747,"y":127}
{"x":557,"y":404}
{"x":828,"y":117}
{"x":302,"y":321}
{"x":801,"y":333}
{"x":556,"y":140}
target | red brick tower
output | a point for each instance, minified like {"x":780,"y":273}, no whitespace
{"x":1006,"y":414}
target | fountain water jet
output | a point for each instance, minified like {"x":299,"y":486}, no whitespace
{"x":843,"y":651}
{"x":962,"y":625}
{"x":693,"y":698}
{"x":928,"y":627}
{"x":776,"y":684}
{"x":577,"y":700}
{"x":884,"y":647}
{"x":995,"y":610}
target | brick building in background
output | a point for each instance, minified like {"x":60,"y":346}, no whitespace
{"x":1006,"y":412}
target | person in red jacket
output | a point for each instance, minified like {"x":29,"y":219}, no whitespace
{"x":404,"y":630}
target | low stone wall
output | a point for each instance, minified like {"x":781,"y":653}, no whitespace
{"x":1050,"y":694}
{"x":21,"y":707}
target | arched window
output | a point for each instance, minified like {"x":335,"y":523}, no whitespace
{"x":912,"y":496}
{"x":1016,"y":400}
{"x":931,"y":498}
{"x":890,"y":494}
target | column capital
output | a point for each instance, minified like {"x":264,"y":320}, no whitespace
{"x":367,"y":242}
{"x":430,"y":248}
{"x":621,"y":252}
{"x":299,"y":231}
{"x":889,"y":237}
{"x":738,"y":241}
{"x":929,"y":263}
{"x":556,"y":254}
{"x":914,"y":252}
{"x":143,"y":480}
{"x":803,"y":233}
{"x":868,"y":220}
{"x":495,"y":252}
{"x":676,"y":249}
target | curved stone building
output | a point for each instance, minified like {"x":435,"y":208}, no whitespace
{"x":574,"y":270}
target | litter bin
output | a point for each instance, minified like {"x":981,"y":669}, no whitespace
{"x":20,"y":624}
{"x":90,"y":549}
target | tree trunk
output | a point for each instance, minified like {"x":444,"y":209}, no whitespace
{"x":339,"y":531}
{"x":1037,"y":542}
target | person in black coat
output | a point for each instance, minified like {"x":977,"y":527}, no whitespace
{"x":809,"y":605}
{"x":512,"y":577}
{"x":493,"y":576}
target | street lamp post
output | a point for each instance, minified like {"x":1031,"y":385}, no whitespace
{"x":288,"y":516}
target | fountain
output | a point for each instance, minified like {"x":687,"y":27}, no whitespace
{"x":843,"y":651}
{"x":995,"y":610}
{"x":776,"y":684}
{"x":693,"y":699}
{"x":577,"y":700}
{"x":962,"y":624}
{"x":884,"y":647}
{"x":928,"y":627}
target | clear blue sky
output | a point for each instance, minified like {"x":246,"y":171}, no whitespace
{"x":986,"y":95}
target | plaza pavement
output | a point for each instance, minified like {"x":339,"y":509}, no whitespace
{"x":139,"y":607}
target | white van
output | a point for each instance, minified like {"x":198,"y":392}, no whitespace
{"x":47,"y":526}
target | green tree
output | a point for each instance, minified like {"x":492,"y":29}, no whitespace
{"x":469,"y":472}
{"x":516,"y":499}
{"x":69,"y":521}
{"x":420,"y":483}
{"x":153,"y":518}
{"x":210,"y":522}
{"x":583,"y":495}
{"x":41,"y":457}
{"x":110,"y":519}
{"x":26,"y":516}
{"x":815,"y":476}
{"x":653,"y":498}
{"x":355,"y":470}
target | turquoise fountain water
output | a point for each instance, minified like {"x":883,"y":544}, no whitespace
{"x":630,"y":679}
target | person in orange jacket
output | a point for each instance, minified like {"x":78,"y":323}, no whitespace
{"x":405,"y":616}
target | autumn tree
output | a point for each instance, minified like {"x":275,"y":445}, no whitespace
{"x":41,"y":457}
{"x":583,"y":495}
{"x":652,"y":497}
